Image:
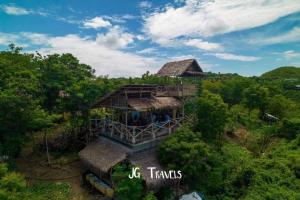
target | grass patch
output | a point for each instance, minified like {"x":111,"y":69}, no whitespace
{"x":50,"y":191}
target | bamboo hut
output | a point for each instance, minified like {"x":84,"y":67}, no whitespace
{"x":142,"y":116}
{"x":183,"y":68}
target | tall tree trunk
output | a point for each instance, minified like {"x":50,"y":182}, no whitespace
{"x":47,"y":149}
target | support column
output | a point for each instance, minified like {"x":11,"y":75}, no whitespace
{"x":174,"y":115}
{"x":126,"y":118}
{"x":152,"y":131}
{"x":112,"y":131}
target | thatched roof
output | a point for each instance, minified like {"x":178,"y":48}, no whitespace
{"x":143,"y":104}
{"x":148,"y":159}
{"x":139,"y":98}
{"x":118,"y":94}
{"x":183,"y":68}
{"x":103,"y":154}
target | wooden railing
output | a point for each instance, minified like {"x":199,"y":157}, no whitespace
{"x":134,"y":134}
{"x":177,"y":91}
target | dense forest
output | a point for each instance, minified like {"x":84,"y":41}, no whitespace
{"x":244,"y":142}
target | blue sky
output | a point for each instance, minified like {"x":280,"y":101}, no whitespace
{"x":129,"y":37}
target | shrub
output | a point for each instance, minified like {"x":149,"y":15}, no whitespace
{"x":290,"y":128}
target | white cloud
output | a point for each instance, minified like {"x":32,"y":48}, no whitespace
{"x":145,"y":4}
{"x":67,"y":20}
{"x":104,"y":60}
{"x":35,"y":38}
{"x":229,"y":56}
{"x":291,"y":54}
{"x":96,"y":23}
{"x":129,"y":16}
{"x":208,"y":18}
{"x":114,"y":19}
{"x":140,"y":37}
{"x":147,"y":51}
{"x":115,"y":38}
{"x":7,"y":38}
{"x":181,"y":57}
{"x":13,"y":10}
{"x":290,"y":36}
{"x":119,"y":18}
{"x":204,"y":45}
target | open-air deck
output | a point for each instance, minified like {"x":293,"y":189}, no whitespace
{"x":141,"y":115}
{"x":134,"y":136}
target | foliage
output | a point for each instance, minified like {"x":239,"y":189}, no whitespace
{"x":231,"y":90}
{"x":256,"y":96}
{"x":276,"y":175}
{"x":213,"y":86}
{"x":283,"y":73}
{"x":33,"y":91}
{"x":230,"y":173}
{"x":290,"y":128}
{"x":280,"y":106}
{"x":13,"y":187}
{"x":165,"y":193}
{"x":259,"y":139}
{"x":125,"y":188}
{"x":51,"y":191}
{"x":150,"y":196}
{"x":212,"y":115}
{"x":58,"y":73}
{"x":185,"y":151}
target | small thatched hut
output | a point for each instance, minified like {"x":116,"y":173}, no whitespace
{"x":183,"y":68}
{"x":103,"y":154}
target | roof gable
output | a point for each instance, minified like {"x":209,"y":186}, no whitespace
{"x":179,"y":68}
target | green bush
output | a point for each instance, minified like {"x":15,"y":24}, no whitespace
{"x":125,"y":188}
{"x":13,"y":187}
{"x":185,"y":151}
{"x":150,"y":196}
{"x":212,"y":115}
{"x":290,"y":128}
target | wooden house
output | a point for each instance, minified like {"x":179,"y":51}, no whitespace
{"x":141,"y":116}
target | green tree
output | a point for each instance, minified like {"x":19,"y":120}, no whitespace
{"x":230,"y":173}
{"x":58,"y":73}
{"x":12,"y":185}
{"x":256,"y":96}
{"x":290,"y":128}
{"x":80,"y":97}
{"x":20,"y":97}
{"x":150,"y":196}
{"x":231,"y":90}
{"x":125,"y":188}
{"x":184,"y":150}
{"x":212,"y":115}
{"x":279,"y":106}
{"x":276,"y":174}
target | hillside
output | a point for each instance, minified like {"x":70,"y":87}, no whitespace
{"x":283,"y":72}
